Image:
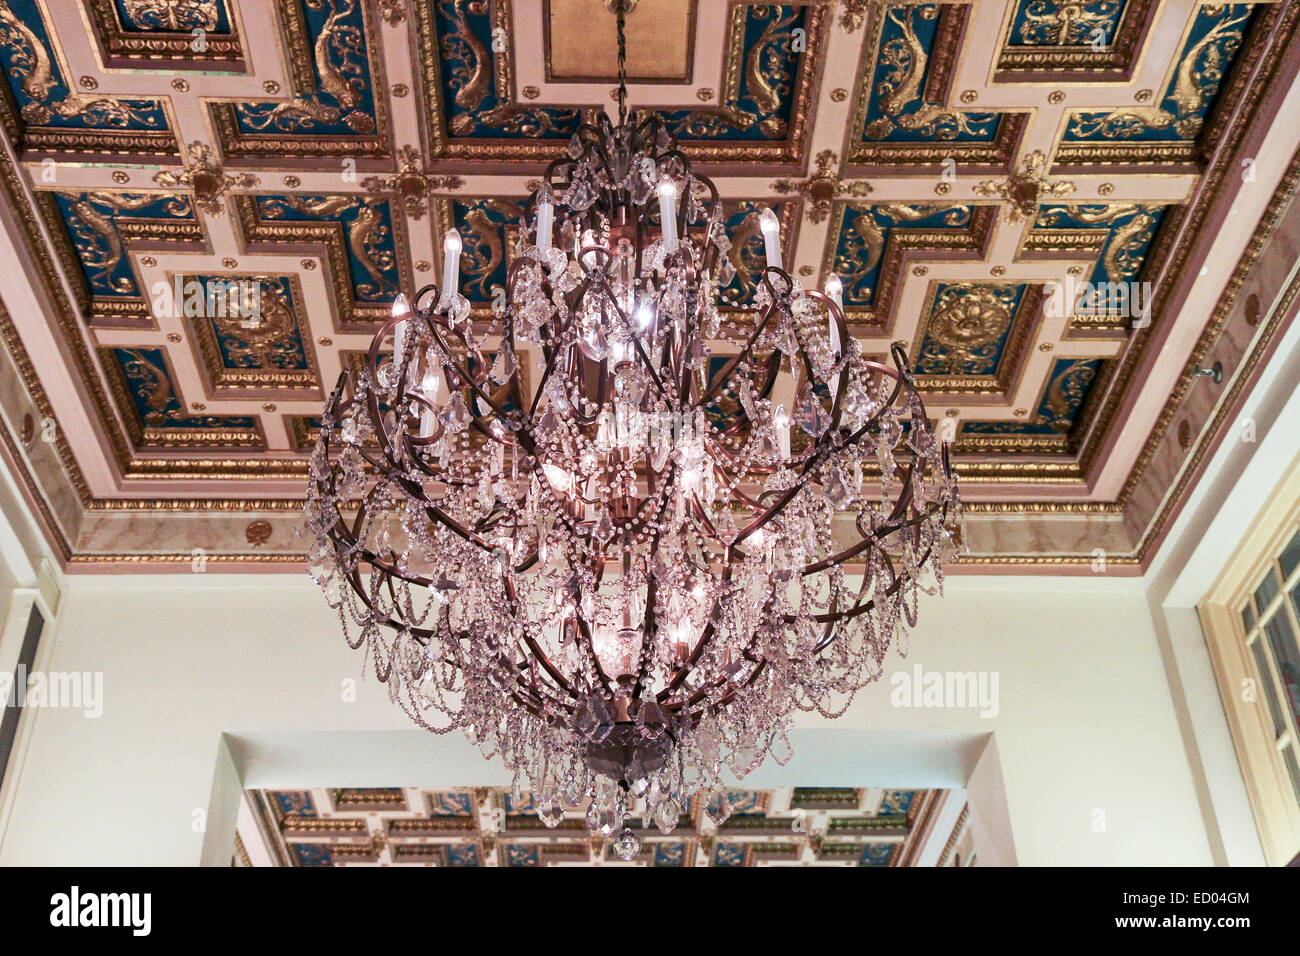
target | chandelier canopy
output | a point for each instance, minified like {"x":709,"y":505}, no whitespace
{"x":589,"y":533}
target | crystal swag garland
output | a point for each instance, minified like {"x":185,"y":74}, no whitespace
{"x":587,"y":532}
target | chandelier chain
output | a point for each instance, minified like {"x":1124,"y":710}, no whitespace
{"x":622,"y":66}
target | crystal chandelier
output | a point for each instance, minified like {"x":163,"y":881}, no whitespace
{"x":588,"y":533}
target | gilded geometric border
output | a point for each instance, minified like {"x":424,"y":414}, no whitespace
{"x":156,"y":50}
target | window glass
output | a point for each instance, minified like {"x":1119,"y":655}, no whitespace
{"x":1270,"y":695}
{"x":1290,"y":557}
{"x":1292,"y":769}
{"x":1267,"y":590}
{"x":1286,"y":654}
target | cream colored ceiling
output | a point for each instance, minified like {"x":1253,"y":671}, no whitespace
{"x":451,"y":111}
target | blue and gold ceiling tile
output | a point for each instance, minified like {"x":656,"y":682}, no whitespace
{"x":965,"y":331}
{"x":674,"y":853}
{"x":304,"y":430}
{"x":292,"y":803}
{"x":1072,"y":40}
{"x":523,"y":854}
{"x":903,"y":114}
{"x":42,"y":112}
{"x":94,"y":234}
{"x":466,"y":54}
{"x":730,"y":854}
{"x":877,"y":854}
{"x":463,"y":854}
{"x":144,"y":389}
{"x":1167,"y":129}
{"x":870,"y":243}
{"x":896,"y":802}
{"x":332,"y":112}
{"x":252,"y":336}
{"x":451,"y":803}
{"x":311,"y":854}
{"x":361,"y":236}
{"x":488,"y":230}
{"x":1117,"y":239}
{"x":748,"y":255}
{"x":1056,"y":424}
{"x":168,"y":34}
{"x":762,"y":113}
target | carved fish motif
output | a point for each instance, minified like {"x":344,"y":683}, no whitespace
{"x":484,"y":251}
{"x":106,"y":253}
{"x":153,"y":386}
{"x":176,"y":16}
{"x":764,"y":86}
{"x":1065,"y":394}
{"x":1192,"y":86}
{"x":33,"y":61}
{"x":865,"y":241}
{"x":908,"y":57}
{"x":333,"y":78}
{"x":362,"y":233}
{"x":471,"y":70}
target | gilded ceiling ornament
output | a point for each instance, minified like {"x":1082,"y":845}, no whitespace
{"x":1050,"y":23}
{"x":1132,"y":228}
{"x":393,"y":12}
{"x":901,"y":92}
{"x":1025,"y":189}
{"x":852,"y":14}
{"x":258,"y":532}
{"x":822,"y":188}
{"x":173,"y":16}
{"x":964,"y":330}
{"x":340,"y":62}
{"x":208,"y":181}
{"x":93,"y":228}
{"x":30,"y":62}
{"x":265,"y":337}
{"x":411,"y":184}
{"x":1199,"y":74}
{"x":754,"y":96}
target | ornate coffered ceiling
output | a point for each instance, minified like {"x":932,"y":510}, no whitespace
{"x":949,"y":161}
{"x":485,"y":826}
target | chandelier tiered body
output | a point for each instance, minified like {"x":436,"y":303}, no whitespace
{"x":605,"y":554}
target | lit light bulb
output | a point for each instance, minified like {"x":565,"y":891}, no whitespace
{"x":771,"y":227}
{"x":668,"y":212}
{"x":835,"y":290}
{"x":545,"y":220}
{"x":559,"y":479}
{"x":781,"y":421}
{"x":400,"y":308}
{"x":644,"y":314}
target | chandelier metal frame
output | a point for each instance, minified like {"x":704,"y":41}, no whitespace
{"x":505,"y":565}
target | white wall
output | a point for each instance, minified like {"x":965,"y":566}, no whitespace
{"x":1085,"y":723}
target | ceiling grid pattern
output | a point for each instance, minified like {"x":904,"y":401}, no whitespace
{"x":949,"y":161}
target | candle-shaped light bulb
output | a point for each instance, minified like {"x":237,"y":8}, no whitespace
{"x":771,"y":227}
{"x":835,"y":289}
{"x":782,"y":423}
{"x":545,"y":220}
{"x":401,"y":308}
{"x":450,"y":264}
{"x":428,"y":422}
{"x":668,"y":212}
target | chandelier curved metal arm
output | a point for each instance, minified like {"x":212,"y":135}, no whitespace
{"x":634,"y":572}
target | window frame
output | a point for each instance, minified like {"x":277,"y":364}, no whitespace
{"x":1274,"y":799}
